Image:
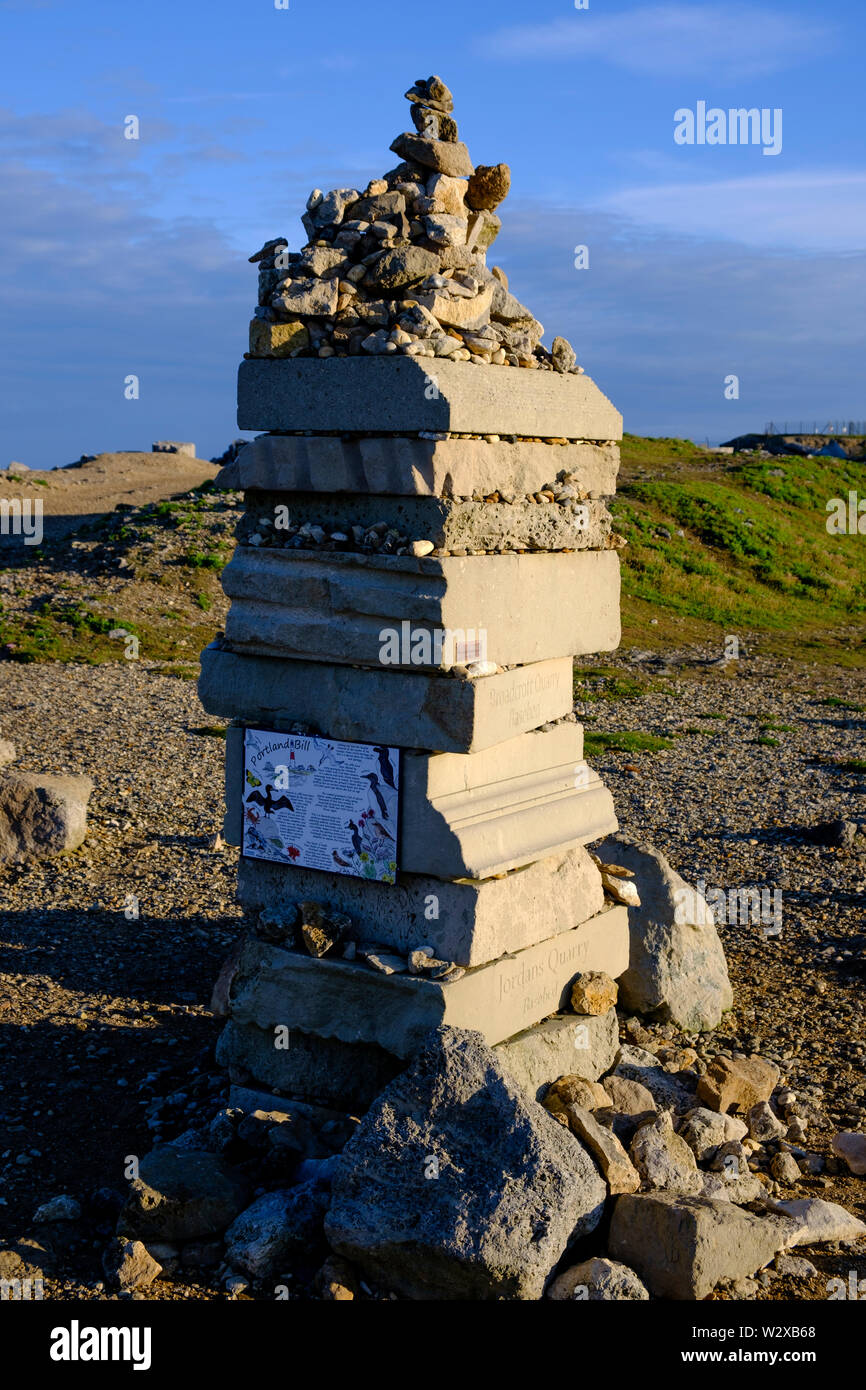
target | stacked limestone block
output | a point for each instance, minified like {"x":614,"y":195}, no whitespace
{"x":421,"y":492}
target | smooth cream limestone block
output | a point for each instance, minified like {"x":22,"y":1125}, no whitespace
{"x":355,"y":1003}
{"x":468,"y":921}
{"x":396,"y":395}
{"x":405,"y":708}
{"x":566,"y":1045}
{"x":472,"y":815}
{"x":404,"y":467}
{"x":511,"y":609}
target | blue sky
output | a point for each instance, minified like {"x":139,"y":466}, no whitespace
{"x":121,"y":256}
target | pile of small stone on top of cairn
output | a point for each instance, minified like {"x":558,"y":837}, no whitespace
{"x":399,"y":267}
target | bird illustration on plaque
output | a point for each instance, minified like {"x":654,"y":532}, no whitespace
{"x":321,"y":803}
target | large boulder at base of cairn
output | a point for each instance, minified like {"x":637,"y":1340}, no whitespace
{"x":455,"y":1185}
{"x":41,"y":815}
{"x":677,"y":971}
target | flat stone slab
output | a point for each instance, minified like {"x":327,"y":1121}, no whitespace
{"x":446,"y":524}
{"x":397,"y":611}
{"x":396,"y":466}
{"x":400,"y":395}
{"x":472,"y":815}
{"x":567,"y":1045}
{"x":404,"y":708}
{"x":357,"y":1004}
{"x":322,"y":1070}
{"x":41,"y":815}
{"x":468,"y":921}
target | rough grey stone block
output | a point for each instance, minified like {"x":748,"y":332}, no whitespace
{"x":683,"y":1246}
{"x":404,"y":708}
{"x":567,"y":1045}
{"x":355,"y":1003}
{"x":41,"y":815}
{"x":472,"y":815}
{"x":343,"y":608}
{"x":677,"y":971}
{"x":395,"y":466}
{"x":468,"y":921}
{"x":454,"y":1185}
{"x":400,"y":395}
{"x":347,"y":1076}
{"x":447,"y":525}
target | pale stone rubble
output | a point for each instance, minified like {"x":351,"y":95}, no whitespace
{"x":399,"y":267}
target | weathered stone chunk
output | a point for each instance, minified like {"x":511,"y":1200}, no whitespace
{"x":456,"y":1186}
{"x":455,"y":311}
{"x":560,"y":1045}
{"x":278,"y":339}
{"x":663,"y":1159}
{"x":677,"y":969}
{"x":41,"y":815}
{"x":737,"y":1083}
{"x":181,"y":1195}
{"x":445,"y":156}
{"x":393,"y":270}
{"x":278,"y":1228}
{"x":616,"y":1167}
{"x":488,"y":186}
{"x":593,"y":992}
{"x":681,"y":1247}
{"x":851,"y":1146}
{"x":598,"y":1281}
{"x":310,"y":297}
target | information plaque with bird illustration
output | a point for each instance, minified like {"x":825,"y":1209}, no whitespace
{"x":322,"y":804}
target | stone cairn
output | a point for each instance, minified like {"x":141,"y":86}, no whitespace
{"x":425,"y":547}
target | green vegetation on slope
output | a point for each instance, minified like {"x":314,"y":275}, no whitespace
{"x":738,"y":544}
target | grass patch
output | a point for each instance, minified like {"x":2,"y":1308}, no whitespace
{"x":833,"y":702}
{"x":853,"y":765}
{"x":765,"y":741}
{"x":629,"y":742}
{"x":208,"y":730}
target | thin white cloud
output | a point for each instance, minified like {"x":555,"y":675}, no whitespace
{"x":727,"y":40}
{"x":807,"y":211}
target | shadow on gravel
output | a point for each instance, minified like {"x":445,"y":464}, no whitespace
{"x":154,"y":960}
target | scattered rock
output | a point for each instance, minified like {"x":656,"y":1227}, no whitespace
{"x":664,"y":1160}
{"x":816,"y":1221}
{"x":58,"y":1209}
{"x":598,"y":1281}
{"x":278,"y":1228}
{"x":41,"y":815}
{"x":181,"y":1195}
{"x":737,"y":1083}
{"x":705,"y":1131}
{"x":850,"y":1145}
{"x":593,"y":992}
{"x":682,"y":1247}
{"x":129,"y":1265}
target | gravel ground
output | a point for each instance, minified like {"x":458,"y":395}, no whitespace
{"x":101,"y":1011}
